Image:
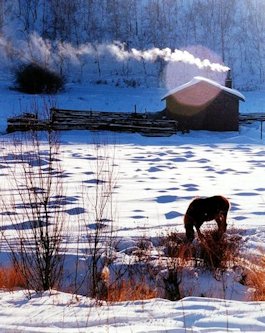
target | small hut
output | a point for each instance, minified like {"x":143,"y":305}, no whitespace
{"x":204,"y":104}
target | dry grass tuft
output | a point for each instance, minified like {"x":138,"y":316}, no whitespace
{"x":175,"y":246}
{"x":129,"y":290}
{"x":218,"y":252}
{"x":255,"y":277}
{"x":211,"y":251}
{"x":256,"y":280}
{"x":11,"y":279}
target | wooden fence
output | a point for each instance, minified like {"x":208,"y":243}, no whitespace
{"x":251,"y":117}
{"x":61,"y":120}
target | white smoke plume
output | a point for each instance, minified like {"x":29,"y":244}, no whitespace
{"x":118,"y":50}
{"x":52,"y":53}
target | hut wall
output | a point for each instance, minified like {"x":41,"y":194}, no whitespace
{"x":219,"y":114}
{"x":223,"y":113}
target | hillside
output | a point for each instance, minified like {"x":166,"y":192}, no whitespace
{"x":84,"y":39}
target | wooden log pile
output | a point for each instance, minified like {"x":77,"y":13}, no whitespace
{"x":26,"y":122}
{"x":61,"y":120}
{"x":112,"y":121}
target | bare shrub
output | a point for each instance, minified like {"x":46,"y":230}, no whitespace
{"x":97,"y":224}
{"x":36,"y":204}
{"x":100,"y":238}
{"x":175,"y":255}
{"x":143,"y":249}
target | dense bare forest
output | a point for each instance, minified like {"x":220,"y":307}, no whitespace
{"x":232,"y":32}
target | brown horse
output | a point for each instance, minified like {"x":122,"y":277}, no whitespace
{"x":206,"y":209}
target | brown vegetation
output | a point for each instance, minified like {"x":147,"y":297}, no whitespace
{"x":216,"y":252}
{"x":130,"y":290}
{"x":11,"y":279}
{"x":255,"y":278}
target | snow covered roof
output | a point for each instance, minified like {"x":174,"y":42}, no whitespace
{"x":198,"y":79}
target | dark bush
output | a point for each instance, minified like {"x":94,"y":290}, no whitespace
{"x":131,"y":83}
{"x":35,"y":79}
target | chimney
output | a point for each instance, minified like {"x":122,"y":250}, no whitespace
{"x":228,"y":80}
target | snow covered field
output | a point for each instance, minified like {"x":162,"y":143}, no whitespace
{"x":63,"y":313}
{"x":156,"y":180}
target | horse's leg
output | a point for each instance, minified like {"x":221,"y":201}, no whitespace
{"x":200,"y":235}
{"x":221,"y":222}
{"x":188,"y":223}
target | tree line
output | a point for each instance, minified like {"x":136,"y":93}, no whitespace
{"x":234,"y":29}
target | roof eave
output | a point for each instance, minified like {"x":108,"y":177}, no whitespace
{"x":196,"y":80}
